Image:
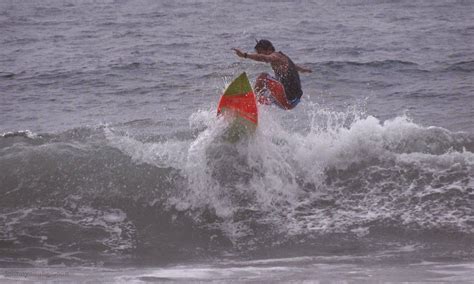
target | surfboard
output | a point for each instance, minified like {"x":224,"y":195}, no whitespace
{"x":239,"y":105}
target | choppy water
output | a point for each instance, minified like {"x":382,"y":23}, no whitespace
{"x":111,"y":152}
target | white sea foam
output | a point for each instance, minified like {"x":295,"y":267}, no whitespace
{"x":360,"y":164}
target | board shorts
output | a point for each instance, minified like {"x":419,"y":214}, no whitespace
{"x":274,"y":93}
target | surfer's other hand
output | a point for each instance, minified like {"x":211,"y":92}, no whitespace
{"x":239,"y":52}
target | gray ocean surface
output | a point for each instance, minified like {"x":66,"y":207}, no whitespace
{"x":112,"y":168}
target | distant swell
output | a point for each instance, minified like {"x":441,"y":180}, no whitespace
{"x":464,"y":66}
{"x":372,"y":64}
{"x":7,"y":75}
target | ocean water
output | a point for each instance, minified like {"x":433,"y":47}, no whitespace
{"x":112,"y":168}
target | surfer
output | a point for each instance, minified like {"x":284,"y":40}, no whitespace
{"x":285,"y":89}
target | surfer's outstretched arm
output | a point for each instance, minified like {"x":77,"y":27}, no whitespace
{"x":303,"y":69}
{"x":271,"y":58}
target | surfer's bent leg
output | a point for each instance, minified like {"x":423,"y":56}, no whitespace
{"x":271,"y":91}
{"x":261,"y":89}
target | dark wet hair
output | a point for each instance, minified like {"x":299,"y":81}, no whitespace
{"x":265,"y":45}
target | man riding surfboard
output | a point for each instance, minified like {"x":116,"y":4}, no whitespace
{"x":286,"y":87}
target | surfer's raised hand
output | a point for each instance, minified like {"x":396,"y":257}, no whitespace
{"x":240,"y":53}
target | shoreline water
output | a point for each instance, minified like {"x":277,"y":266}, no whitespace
{"x":281,"y":271}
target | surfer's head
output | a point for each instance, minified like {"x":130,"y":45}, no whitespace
{"x":264,"y":46}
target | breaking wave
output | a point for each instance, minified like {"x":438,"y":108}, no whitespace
{"x":333,"y":181}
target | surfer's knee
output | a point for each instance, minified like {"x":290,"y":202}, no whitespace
{"x":261,"y":80}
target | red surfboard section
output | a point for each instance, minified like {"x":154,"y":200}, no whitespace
{"x":239,"y":103}
{"x":239,"y":99}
